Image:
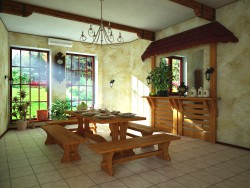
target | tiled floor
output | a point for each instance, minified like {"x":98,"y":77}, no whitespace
{"x":26,"y":162}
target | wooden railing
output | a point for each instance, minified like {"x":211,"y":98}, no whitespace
{"x":186,"y":116}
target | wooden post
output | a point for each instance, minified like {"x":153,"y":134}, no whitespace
{"x":213,"y":64}
{"x":153,"y":65}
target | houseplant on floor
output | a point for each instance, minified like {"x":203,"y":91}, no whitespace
{"x":161,"y":78}
{"x":19,"y":110}
{"x":58,"y":108}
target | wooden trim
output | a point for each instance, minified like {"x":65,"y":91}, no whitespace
{"x":25,"y":10}
{"x":200,"y":10}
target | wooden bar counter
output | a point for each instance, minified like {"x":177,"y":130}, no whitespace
{"x":187,"y":116}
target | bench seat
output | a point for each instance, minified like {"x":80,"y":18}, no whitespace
{"x":107,"y":149}
{"x":143,"y":129}
{"x":66,"y":139}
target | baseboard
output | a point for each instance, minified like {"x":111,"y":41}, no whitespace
{"x":233,"y":146}
{"x":3,"y":133}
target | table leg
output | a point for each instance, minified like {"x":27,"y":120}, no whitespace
{"x":80,"y":130}
{"x":118,"y":131}
{"x":114,"y":128}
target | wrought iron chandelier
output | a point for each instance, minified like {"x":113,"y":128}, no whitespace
{"x":102,"y":35}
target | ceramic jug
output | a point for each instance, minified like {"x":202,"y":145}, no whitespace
{"x":200,"y":92}
{"x":205,"y":93}
{"x":193,"y":92}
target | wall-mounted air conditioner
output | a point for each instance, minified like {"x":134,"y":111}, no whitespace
{"x":60,"y":42}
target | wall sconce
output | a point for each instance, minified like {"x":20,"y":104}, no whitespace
{"x":148,"y":80}
{"x":111,"y":83}
{"x":208,"y":73}
{"x":9,"y":79}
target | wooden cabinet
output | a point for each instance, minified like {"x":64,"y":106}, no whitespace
{"x":186,"y":116}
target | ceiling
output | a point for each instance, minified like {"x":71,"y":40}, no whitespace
{"x":151,"y":15}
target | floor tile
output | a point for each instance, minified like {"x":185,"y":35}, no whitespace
{"x":4,"y":174}
{"x":171,"y":184}
{"x":50,"y":176}
{"x":56,"y":184}
{"x":25,"y":181}
{"x":70,"y":172}
{"x":153,"y":177}
{"x":19,"y":172}
{"x":206,"y":177}
{"x":100,"y":177}
{"x":113,"y":184}
{"x":5,"y":184}
{"x":136,"y":167}
{"x":169,"y":172}
{"x":242,"y":179}
{"x":135,"y":181}
{"x":194,"y":163}
{"x":227,"y":184}
{"x":191,"y":182}
{"x":90,"y":167}
{"x":82,"y":181}
{"x":18,"y":163}
{"x":43,"y":167}
{"x":120,"y":171}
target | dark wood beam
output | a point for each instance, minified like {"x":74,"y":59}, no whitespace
{"x":25,"y":10}
{"x":201,"y":10}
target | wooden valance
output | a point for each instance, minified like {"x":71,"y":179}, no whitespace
{"x":213,"y":32}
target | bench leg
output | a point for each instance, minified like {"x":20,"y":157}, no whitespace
{"x":107,"y":163}
{"x":49,"y":140}
{"x":164,"y":147}
{"x":70,"y":153}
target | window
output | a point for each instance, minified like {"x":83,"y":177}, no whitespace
{"x":80,"y":75}
{"x":30,"y":72}
{"x":177,"y":65}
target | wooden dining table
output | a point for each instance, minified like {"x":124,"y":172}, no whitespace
{"x":117,"y":124}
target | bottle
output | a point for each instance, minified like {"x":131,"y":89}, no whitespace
{"x":200,"y":92}
{"x":193,"y":92}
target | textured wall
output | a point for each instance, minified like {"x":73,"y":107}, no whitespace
{"x":234,"y":76}
{"x":4,"y":70}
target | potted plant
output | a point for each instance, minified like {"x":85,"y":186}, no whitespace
{"x":161,"y":78}
{"x":58,"y":108}
{"x":19,"y":110}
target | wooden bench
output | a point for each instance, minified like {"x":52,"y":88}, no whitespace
{"x":71,"y":121}
{"x":66,"y":139}
{"x":107,"y":149}
{"x":143,"y":129}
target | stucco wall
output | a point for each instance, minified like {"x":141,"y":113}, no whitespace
{"x":234,"y":76}
{"x":4,"y":70}
{"x":233,"y":69}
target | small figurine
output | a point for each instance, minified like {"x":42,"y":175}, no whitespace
{"x":182,"y":89}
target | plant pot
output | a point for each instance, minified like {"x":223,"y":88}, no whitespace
{"x":42,"y":115}
{"x":162,"y":93}
{"x":21,"y":125}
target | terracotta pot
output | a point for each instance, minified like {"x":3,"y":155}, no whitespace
{"x":42,"y":115}
{"x":21,"y":125}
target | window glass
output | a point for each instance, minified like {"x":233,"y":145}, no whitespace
{"x":30,"y":72}
{"x":79,"y":79}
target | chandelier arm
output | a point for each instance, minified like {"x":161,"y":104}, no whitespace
{"x":109,"y":38}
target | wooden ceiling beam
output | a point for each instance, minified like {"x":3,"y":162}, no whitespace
{"x":25,"y":10}
{"x":200,"y":10}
